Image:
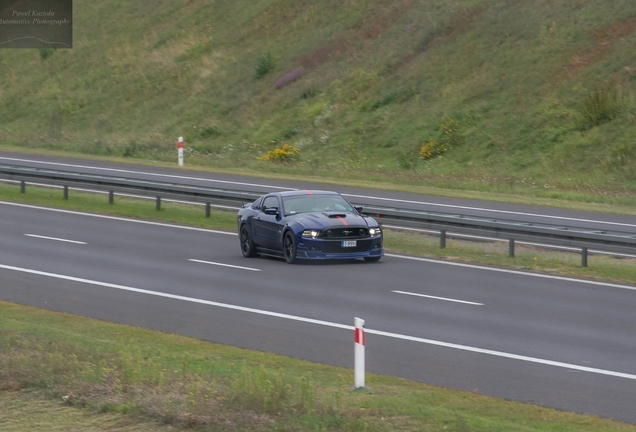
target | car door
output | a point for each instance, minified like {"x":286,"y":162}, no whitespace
{"x":266,"y":226}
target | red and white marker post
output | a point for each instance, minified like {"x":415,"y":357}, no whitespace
{"x":359,"y":353}
{"x":180,"y":151}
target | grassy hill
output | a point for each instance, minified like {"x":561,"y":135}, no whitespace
{"x":529,"y":97}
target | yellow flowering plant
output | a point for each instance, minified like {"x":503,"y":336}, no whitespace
{"x":285,"y":153}
{"x":450,"y":136}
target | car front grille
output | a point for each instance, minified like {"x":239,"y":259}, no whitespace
{"x":335,"y":246}
{"x":348,"y":233}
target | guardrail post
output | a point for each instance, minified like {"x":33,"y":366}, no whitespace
{"x":584,"y":257}
{"x":359,"y":353}
{"x":442,"y":239}
{"x":511,"y":248}
{"x":158,"y":203}
{"x":65,"y":192}
{"x":207,"y":210}
{"x":22,"y":186}
{"x":111,"y":197}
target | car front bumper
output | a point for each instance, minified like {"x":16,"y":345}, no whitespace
{"x":319,"y":249}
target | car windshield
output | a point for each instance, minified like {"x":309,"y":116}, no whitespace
{"x":315,"y":203}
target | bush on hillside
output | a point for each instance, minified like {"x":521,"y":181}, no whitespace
{"x":449,"y":136}
{"x":282,"y":154}
{"x":432,"y":148}
{"x":205,"y":132}
{"x":46,"y":53}
{"x":601,"y":105}
{"x":264,"y":65}
{"x":394,"y":97}
{"x":308,"y":92}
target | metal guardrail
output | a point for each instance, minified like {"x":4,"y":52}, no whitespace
{"x":122,"y":185}
{"x":487,"y":227}
{"x":510,"y":230}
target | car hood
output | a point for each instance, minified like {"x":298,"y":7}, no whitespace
{"x":332,"y":219}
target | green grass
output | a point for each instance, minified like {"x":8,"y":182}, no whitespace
{"x":65,"y":372}
{"x":541,"y":92}
{"x":34,"y":411}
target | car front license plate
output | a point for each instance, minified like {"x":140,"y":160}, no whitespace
{"x":349,"y":243}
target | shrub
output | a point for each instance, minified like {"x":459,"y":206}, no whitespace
{"x":282,"y":154}
{"x":46,"y":53}
{"x":308,"y":93}
{"x":449,"y":136}
{"x":450,"y":131}
{"x":289,"y":77}
{"x":208,"y":132}
{"x":432,"y":148}
{"x":400,"y":96}
{"x":130,"y":149}
{"x":264,"y":65}
{"x":601,"y":105}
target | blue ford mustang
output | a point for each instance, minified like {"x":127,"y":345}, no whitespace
{"x":308,"y":225}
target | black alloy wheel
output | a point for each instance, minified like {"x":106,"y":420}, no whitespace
{"x":289,"y":247}
{"x":247,"y":245}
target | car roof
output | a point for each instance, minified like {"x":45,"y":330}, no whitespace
{"x":306,"y":192}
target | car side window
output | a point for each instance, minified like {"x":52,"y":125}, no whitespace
{"x":270,"y":202}
{"x":257,"y":204}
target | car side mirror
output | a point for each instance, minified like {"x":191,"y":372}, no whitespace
{"x":358,"y":208}
{"x":271,"y":211}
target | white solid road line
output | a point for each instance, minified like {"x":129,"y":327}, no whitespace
{"x":329,"y":324}
{"x":505,"y":355}
{"x":348,"y":195}
{"x":56,"y":239}
{"x":438,"y":298}
{"x":224,"y":265}
{"x":147,"y":173}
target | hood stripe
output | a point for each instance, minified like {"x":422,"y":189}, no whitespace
{"x":344,"y":222}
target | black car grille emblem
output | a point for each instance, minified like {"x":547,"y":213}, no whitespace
{"x":347,"y":232}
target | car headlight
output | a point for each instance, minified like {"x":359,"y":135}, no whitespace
{"x":310,"y":234}
{"x":375,"y":232}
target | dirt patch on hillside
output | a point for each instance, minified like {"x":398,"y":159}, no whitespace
{"x":381,"y":18}
{"x":323,"y":54}
{"x":605,"y":39}
{"x":377,"y":21}
{"x":460,"y":23}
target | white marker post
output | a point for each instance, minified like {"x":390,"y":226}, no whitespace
{"x":359,"y":353}
{"x":180,"y":151}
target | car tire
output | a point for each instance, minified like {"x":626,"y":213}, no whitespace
{"x":289,"y":247}
{"x":372,"y":259}
{"x":247,"y":244}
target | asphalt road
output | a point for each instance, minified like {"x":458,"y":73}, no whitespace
{"x":551,"y":341}
{"x":513,"y":212}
